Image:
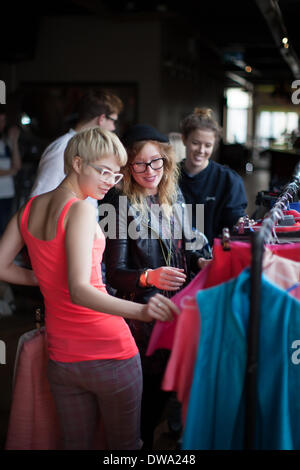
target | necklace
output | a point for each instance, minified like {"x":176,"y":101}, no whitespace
{"x":169,"y":252}
{"x":153,"y":199}
{"x":70,"y":190}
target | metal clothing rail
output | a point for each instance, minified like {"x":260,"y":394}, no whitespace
{"x":258,"y":240}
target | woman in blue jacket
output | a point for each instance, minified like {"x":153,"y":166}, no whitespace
{"x":204,"y":181}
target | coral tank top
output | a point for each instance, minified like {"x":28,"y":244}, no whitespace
{"x":74,"y":333}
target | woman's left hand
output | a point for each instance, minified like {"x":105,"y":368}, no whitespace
{"x":159,"y":308}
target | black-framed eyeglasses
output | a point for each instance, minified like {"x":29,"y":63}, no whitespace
{"x":141,"y":167}
{"x":114,"y":120}
{"x":107,"y":175}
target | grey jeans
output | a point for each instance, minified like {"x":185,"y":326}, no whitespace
{"x":85,"y":391}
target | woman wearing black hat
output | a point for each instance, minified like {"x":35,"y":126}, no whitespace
{"x":146,"y":255}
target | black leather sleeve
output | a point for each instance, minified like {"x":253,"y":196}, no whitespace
{"x":118,"y":274}
{"x":125,"y":259}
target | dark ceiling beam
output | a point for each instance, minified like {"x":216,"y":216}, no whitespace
{"x":273,"y":16}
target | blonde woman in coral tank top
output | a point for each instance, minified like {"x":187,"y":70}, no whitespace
{"x":94,"y":364}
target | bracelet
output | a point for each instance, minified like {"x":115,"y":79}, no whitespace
{"x":144,"y":278}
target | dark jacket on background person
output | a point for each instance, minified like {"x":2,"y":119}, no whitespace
{"x":222,"y":192}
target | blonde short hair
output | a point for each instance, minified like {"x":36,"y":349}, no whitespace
{"x":93,"y":143}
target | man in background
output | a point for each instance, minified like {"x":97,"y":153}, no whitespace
{"x":96,"y":108}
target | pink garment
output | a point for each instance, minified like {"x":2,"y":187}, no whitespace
{"x":163,"y":333}
{"x":280,"y":228}
{"x":179,"y":372}
{"x":279,"y":267}
{"x":33,"y":422}
{"x":283,"y":272}
{"x":225,"y":265}
{"x":228,"y":264}
{"x":288,"y":250}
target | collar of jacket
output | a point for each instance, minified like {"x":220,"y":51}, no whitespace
{"x":182,"y":226}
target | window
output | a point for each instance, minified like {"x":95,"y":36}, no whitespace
{"x":276,"y":125}
{"x":238,"y":104}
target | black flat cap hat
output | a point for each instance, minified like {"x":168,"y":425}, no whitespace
{"x":140,"y":132}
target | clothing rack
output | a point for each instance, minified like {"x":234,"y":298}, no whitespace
{"x":258,"y":240}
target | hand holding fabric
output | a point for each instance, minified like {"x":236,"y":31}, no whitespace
{"x":159,"y":308}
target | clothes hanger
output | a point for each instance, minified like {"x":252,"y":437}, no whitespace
{"x":226,"y":239}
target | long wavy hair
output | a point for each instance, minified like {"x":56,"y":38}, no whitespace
{"x":167,"y":188}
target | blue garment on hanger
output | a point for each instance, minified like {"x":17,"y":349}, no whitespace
{"x":215,"y":417}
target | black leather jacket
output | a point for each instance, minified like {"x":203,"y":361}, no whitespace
{"x":126,"y":258}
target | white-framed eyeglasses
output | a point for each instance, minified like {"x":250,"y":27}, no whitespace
{"x":107,"y":175}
